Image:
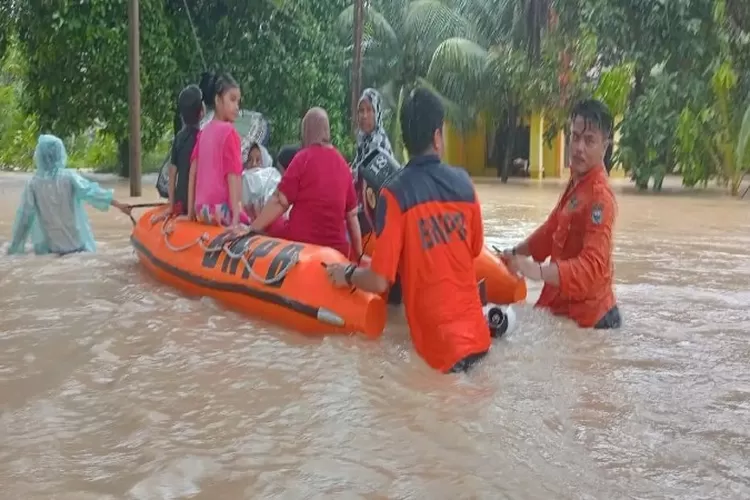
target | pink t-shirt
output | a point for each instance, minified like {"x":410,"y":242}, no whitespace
{"x":219,"y":153}
{"x":318,"y":184}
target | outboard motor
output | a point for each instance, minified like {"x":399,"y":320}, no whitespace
{"x":375,"y":171}
{"x":500,"y":319}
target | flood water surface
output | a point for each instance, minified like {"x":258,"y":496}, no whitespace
{"x":113,"y":386}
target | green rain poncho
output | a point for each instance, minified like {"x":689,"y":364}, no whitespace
{"x":51,"y":211}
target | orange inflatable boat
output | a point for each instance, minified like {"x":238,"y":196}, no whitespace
{"x":502,"y":287}
{"x":280,"y":281}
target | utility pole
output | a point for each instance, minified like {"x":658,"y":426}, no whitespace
{"x":359,"y":16}
{"x":134,"y":97}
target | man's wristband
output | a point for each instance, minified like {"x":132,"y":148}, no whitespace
{"x":348,"y":273}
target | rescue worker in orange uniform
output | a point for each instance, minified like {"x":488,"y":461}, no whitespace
{"x":577,"y":235}
{"x":428,"y":225}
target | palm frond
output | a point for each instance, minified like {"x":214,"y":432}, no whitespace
{"x":429,"y":22}
{"x":461,"y":116}
{"x":375,"y":25}
{"x":494,"y":21}
{"x":458,"y":70}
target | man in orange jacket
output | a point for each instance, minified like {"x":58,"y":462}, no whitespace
{"x":428,"y":225}
{"x":577,"y":235}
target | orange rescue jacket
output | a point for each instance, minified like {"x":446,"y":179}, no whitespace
{"x":577,"y":236}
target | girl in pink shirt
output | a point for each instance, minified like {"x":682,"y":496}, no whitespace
{"x":216,"y":163}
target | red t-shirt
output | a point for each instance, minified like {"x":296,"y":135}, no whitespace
{"x":319,"y":186}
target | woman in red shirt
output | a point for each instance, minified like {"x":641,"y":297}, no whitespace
{"x":318,"y":185}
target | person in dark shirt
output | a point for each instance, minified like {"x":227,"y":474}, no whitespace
{"x":286,"y":155}
{"x":190,"y":105}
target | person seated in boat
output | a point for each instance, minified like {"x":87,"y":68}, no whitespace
{"x":259,"y":183}
{"x":51,"y":212}
{"x":371,"y":138}
{"x":371,"y":134}
{"x":215,"y":187}
{"x":192,"y":110}
{"x":429,"y":227}
{"x":257,"y":157}
{"x":319,"y":189}
{"x":577,"y":235}
{"x":285,"y":156}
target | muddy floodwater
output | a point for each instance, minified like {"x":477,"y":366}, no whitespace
{"x":113,"y":386}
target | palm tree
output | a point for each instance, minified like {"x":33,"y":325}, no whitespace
{"x":509,"y":67}
{"x":399,"y":37}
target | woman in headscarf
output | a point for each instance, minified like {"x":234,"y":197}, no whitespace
{"x":371,"y":138}
{"x":257,"y":156}
{"x":370,"y":174}
{"x":371,"y":134}
{"x":318,"y":187}
{"x":51,"y":210}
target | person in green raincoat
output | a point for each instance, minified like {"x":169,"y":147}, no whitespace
{"x":51,"y":212}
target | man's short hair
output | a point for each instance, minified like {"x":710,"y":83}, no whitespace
{"x":594,"y":114}
{"x":421,"y":115}
{"x":190,"y":104}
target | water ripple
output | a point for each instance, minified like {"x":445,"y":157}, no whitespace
{"x":114,"y":386}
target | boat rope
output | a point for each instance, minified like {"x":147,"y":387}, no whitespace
{"x":167,"y":229}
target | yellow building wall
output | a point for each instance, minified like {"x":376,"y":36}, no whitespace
{"x":553,"y":160}
{"x":536,"y":146}
{"x":467,"y":150}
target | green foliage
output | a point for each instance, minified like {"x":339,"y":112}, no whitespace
{"x":678,"y":70}
{"x":614,"y":87}
{"x":284,"y":54}
{"x":679,"y":34}
{"x":18,"y":130}
{"x":78,"y":65}
{"x":512,"y":63}
{"x":686,"y":104}
{"x":399,"y":38}
{"x":647,"y":133}
{"x":713,"y":132}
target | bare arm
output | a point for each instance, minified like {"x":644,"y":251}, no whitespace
{"x":355,"y":232}
{"x":276,"y":206}
{"x":523,"y":249}
{"x":171,"y":186}
{"x":369,"y":281}
{"x":191,"y":190}
{"x":235,"y":197}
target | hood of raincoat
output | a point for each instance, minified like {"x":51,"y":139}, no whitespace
{"x":267,"y":160}
{"x":50,"y":156}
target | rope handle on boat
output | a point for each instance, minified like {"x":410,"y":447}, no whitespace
{"x":143,"y":205}
{"x":167,"y":229}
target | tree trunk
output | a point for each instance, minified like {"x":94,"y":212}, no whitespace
{"x":357,"y":59}
{"x":498,"y":155}
{"x":123,"y":156}
{"x":638,"y":85}
{"x":510,"y":143}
